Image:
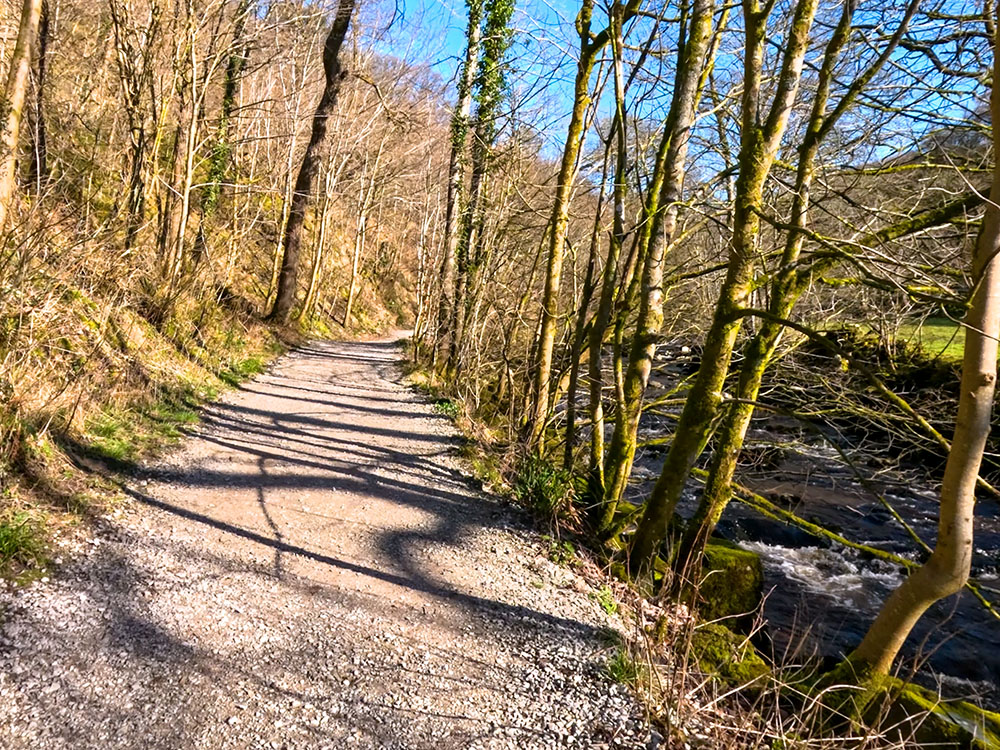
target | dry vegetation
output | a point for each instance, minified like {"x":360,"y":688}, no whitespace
{"x":786,"y":191}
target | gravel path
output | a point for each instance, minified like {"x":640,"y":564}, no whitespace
{"x":311,"y":570}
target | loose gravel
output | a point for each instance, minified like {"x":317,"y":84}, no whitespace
{"x":312,"y":570}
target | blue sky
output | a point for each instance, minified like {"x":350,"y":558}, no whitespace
{"x":433,"y":32}
{"x":543,"y":61}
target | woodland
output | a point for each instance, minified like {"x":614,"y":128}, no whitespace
{"x":681,"y":271}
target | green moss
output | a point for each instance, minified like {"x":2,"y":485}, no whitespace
{"x":721,"y":652}
{"x":732,"y":582}
{"x":946,"y":723}
{"x":908,"y":711}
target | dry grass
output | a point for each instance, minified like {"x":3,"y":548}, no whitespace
{"x":84,"y":378}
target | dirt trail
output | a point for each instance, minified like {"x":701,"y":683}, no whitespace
{"x":311,"y":570}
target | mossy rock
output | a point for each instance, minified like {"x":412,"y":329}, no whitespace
{"x":732,"y":583}
{"x":941,"y":723}
{"x":721,"y":652}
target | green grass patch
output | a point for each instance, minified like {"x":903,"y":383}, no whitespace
{"x":110,"y":436}
{"x":23,"y":541}
{"x":121,"y":435}
{"x":447,"y":408}
{"x":561,"y":551}
{"x":606,"y":599}
{"x":621,"y":666}
{"x":545,"y":488}
{"x":126,"y":434}
{"x":937,"y":337}
{"x":242,"y":370}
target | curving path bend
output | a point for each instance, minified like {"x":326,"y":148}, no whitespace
{"x":311,"y":570}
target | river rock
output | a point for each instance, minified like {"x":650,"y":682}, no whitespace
{"x":732,"y":584}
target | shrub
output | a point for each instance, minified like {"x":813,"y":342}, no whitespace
{"x":545,"y":489}
{"x":22,"y":540}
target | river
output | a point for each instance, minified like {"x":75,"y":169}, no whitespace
{"x":820,"y":596}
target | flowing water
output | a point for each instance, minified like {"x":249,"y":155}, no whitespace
{"x":821,"y":596}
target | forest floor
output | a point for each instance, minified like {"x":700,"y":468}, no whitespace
{"x":311,"y":569}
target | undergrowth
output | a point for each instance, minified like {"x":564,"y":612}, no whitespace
{"x":99,"y":382}
{"x":23,"y":541}
{"x":663,"y":652}
{"x":622,"y":667}
{"x":545,"y":488}
{"x":447,"y":408}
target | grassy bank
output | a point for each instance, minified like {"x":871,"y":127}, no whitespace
{"x":91,"y":384}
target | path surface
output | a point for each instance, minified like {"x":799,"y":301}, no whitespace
{"x":311,"y":570}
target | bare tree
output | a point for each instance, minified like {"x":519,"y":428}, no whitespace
{"x":311,"y":160}
{"x":15,"y":93}
{"x":947,"y":569}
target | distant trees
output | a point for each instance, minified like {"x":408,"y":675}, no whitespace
{"x":169,"y":148}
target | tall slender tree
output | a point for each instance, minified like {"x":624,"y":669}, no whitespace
{"x":759,"y":143}
{"x":312,"y":159}
{"x":694,"y":56}
{"x":591,"y":45}
{"x":15,"y":93}
{"x":38,"y":173}
{"x":490,"y":85}
{"x":947,"y":569}
{"x":456,"y":176}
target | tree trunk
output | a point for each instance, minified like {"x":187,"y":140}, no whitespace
{"x":38,"y":175}
{"x":595,"y":478}
{"x":468,"y":240}
{"x":134,"y":71}
{"x":758,"y":149}
{"x":15,"y":93}
{"x":456,"y":175}
{"x":359,"y":246}
{"x":693,"y":58}
{"x":187,"y":175}
{"x":947,"y":569}
{"x":590,"y":46}
{"x":580,"y":334}
{"x":218,"y":160}
{"x":334,"y":75}
{"x":286,"y":202}
{"x":317,"y":263}
{"x":470,"y":257}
